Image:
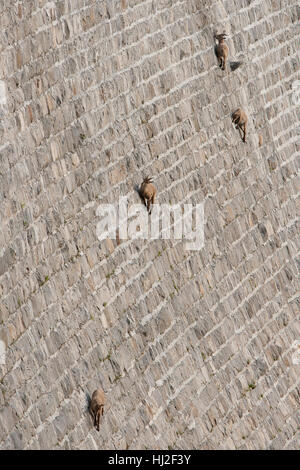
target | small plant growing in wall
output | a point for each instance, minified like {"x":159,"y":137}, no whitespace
{"x":252,"y":386}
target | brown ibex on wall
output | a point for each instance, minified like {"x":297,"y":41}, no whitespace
{"x":240,"y":119}
{"x":97,"y":406}
{"x":148,"y":192}
{"x":221,"y":50}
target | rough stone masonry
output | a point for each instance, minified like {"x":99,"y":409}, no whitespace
{"x":193,"y":348}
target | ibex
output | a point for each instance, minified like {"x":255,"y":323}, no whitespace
{"x":148,"y":193}
{"x":221,"y":50}
{"x":240,"y":119}
{"x":97,"y":406}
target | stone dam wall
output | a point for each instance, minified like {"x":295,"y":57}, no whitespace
{"x":194,"y":349}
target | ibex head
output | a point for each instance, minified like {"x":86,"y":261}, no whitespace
{"x":221,"y":37}
{"x":148,"y":179}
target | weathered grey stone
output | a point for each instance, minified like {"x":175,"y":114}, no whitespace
{"x":99,"y":95}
